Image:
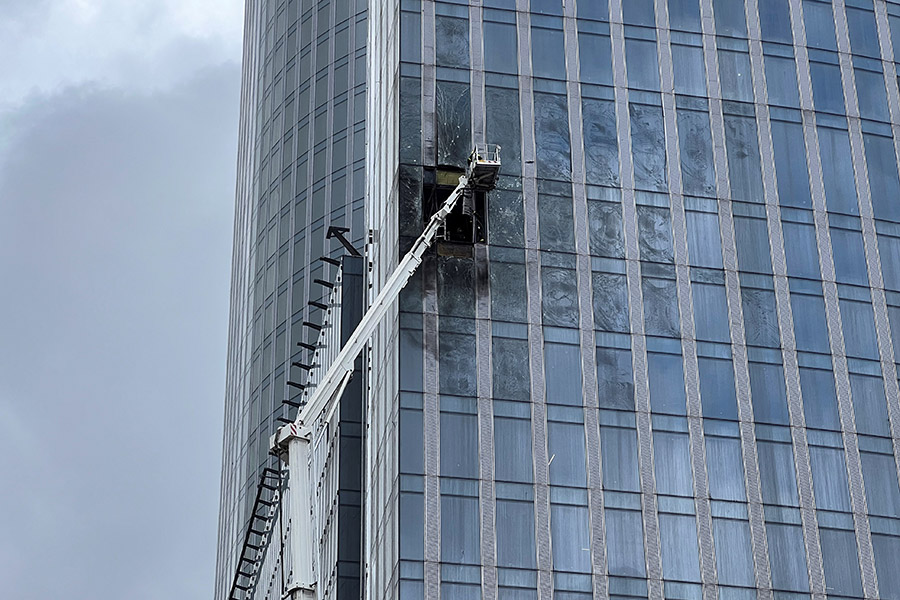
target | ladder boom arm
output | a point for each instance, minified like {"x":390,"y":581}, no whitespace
{"x":335,"y":377}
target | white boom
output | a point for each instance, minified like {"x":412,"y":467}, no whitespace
{"x":294,"y":439}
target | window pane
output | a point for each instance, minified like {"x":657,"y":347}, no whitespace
{"x":565,"y":445}
{"x":810,"y":327}
{"x":882,"y":492}
{"x":457,"y":356}
{"x":776,"y":473}
{"x":698,"y":174}
{"x":559,"y":296}
{"x":459,"y":445}
{"x":840,"y":562}
{"x":678,"y":540}
{"x":819,"y":399}
{"x":601,"y":152}
{"x":548,"y":53}
{"x":596,"y":58}
{"x":869,"y":405}
{"x":571,"y":539}
{"x":512,"y":450}
{"x":610,"y":299}
{"x":614,"y":378}
{"x":460,"y":530}
{"x":775,"y":20}
{"x":660,"y":307}
{"x":787,"y":557}
{"x":828,"y":94}
{"x":648,"y":147}
{"x":655,"y":234}
{"x":837,"y":171}
{"x":704,"y":242}
{"x":620,"y":460}
{"x":726,"y":469}
{"x":743,"y":158}
{"x":511,"y":372}
{"x":711,"y":313}
{"x":887,"y":549}
{"x":717,"y":388}
{"x":605,"y":229}
{"x":625,"y":543}
{"x":829,"y":478}
{"x":666,"y":383}
{"x":451,"y":42}
{"x":734,"y":562}
{"x":515,"y":534}
{"x":819,"y":22}
{"x":781,"y":81}
{"x":690,"y":72}
{"x":730,"y":20}
{"x":562,"y":372}
{"x":882,"y":166}
{"x":673,"y":464}
{"x":790,"y":164}
{"x":551,"y":129}
{"x":767,"y":391}
{"x":500,"y":48}
{"x":760,"y":321}
{"x":801,"y":253}
{"x":684,"y":15}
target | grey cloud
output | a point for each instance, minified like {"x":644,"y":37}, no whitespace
{"x":115,"y":237}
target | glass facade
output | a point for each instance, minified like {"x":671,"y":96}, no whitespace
{"x":671,"y":370}
{"x":669,"y":373}
{"x":301,"y":170}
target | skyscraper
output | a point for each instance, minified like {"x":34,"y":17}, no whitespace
{"x":658,"y":361}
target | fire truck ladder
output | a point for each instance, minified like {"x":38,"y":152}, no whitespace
{"x":292,"y":442}
{"x":256,"y":540}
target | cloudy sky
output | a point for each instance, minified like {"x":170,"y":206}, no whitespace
{"x":118,"y":128}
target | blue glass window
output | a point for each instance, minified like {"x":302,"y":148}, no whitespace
{"x":775,"y":21}
{"x":684,"y":15}
{"x":717,"y":388}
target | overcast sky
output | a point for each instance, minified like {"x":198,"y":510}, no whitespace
{"x":118,"y":128}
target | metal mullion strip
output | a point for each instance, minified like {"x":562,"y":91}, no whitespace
{"x":876,"y":285}
{"x":476,"y":51}
{"x":832,"y":309}
{"x":432,"y":424}
{"x":535,"y":333}
{"x":431,"y":401}
{"x":429,"y":74}
{"x":483,"y":333}
{"x":586,"y":317}
{"x":790,"y":365}
{"x":882,"y":323}
{"x":890,"y":71}
{"x":685,"y":306}
{"x":650,"y":516}
{"x":735,"y":310}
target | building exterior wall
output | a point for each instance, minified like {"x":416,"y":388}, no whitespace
{"x":671,"y":371}
{"x":301,"y":170}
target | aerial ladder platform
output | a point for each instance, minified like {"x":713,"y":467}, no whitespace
{"x":292,"y":441}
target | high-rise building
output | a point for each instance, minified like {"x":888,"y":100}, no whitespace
{"x":658,"y":361}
